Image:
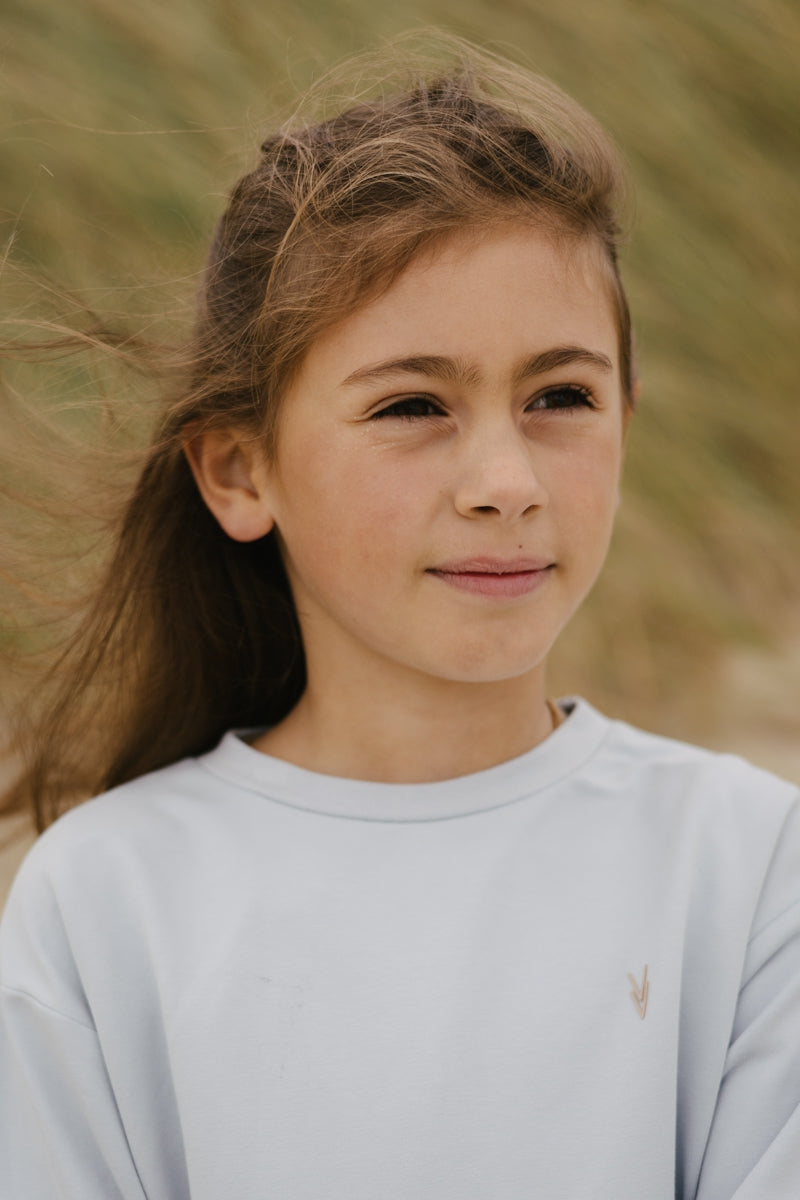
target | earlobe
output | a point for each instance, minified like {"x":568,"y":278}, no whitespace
{"x":231,"y":474}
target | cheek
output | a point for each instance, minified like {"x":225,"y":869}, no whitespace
{"x":340,"y":510}
{"x":586,"y":490}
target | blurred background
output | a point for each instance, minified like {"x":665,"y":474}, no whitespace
{"x":124,"y":125}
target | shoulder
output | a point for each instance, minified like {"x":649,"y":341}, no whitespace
{"x":153,"y":806}
{"x":159,"y":822}
{"x":133,"y":859}
{"x":731,"y":827}
{"x":662,"y":768}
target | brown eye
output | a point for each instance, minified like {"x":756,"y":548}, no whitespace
{"x":569,"y":396}
{"x":409,"y":408}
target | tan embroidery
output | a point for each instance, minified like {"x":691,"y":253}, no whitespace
{"x":639,"y":994}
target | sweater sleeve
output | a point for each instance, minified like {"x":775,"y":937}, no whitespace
{"x":61,"y":1135}
{"x":753,"y":1150}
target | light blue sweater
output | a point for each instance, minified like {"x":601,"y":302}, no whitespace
{"x":575,"y":975}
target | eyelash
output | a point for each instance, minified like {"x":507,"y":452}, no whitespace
{"x":401,"y":409}
{"x":579,"y":397}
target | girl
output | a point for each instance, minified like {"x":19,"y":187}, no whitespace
{"x":364,"y":913}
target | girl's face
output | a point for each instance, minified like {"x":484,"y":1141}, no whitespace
{"x":448,"y":462}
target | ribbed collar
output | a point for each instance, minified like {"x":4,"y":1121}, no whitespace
{"x":561,"y":754}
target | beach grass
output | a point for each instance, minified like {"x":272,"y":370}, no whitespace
{"x":124,"y":125}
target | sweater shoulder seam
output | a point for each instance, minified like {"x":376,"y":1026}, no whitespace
{"x":12,"y":991}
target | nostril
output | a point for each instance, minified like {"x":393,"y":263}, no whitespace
{"x":493,"y":508}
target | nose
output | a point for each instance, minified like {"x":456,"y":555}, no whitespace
{"x":498,"y":476}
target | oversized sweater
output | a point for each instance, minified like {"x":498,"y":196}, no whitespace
{"x":575,"y":975}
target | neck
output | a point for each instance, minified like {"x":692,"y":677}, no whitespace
{"x":411,"y":734}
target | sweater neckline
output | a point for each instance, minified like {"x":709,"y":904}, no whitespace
{"x":564,"y":752}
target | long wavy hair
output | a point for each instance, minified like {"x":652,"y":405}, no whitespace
{"x":189,"y":633}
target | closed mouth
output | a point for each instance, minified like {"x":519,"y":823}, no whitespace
{"x":493,"y":577}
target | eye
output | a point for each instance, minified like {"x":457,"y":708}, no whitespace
{"x":569,"y":396}
{"x":410,"y":408}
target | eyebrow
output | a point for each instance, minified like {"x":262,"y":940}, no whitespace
{"x":562,"y":356}
{"x":460,"y":372}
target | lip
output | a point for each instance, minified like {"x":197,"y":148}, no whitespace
{"x":505,"y":578}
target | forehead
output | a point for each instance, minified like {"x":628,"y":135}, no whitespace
{"x":482,"y":297}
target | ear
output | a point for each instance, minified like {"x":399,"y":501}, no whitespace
{"x":231,"y":472}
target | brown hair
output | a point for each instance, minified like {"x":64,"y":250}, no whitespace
{"x":191,"y":633}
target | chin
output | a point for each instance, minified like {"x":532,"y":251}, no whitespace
{"x":491,"y":668}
